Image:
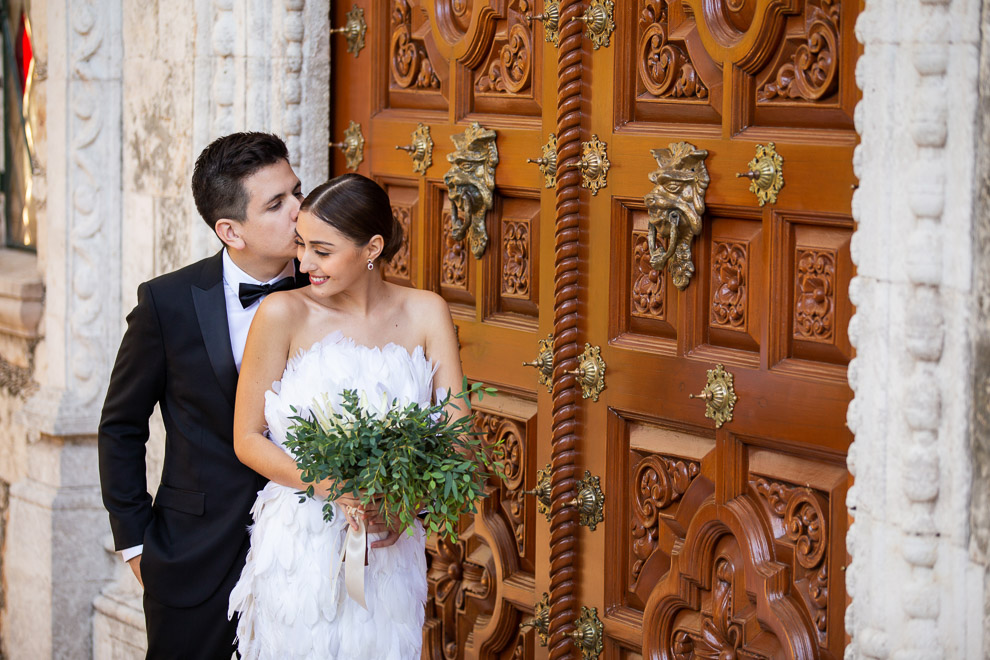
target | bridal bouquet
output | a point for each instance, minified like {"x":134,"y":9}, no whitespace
{"x":408,"y":459}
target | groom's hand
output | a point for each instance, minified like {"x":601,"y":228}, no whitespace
{"x":378,"y":522}
{"x":393,"y":536}
{"x":135,"y":564}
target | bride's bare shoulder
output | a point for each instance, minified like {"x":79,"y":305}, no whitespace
{"x":281,"y":306}
{"x":419,"y":303}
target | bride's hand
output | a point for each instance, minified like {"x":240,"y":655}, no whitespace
{"x":353,"y":509}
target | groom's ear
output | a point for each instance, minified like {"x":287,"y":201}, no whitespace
{"x":229,"y":231}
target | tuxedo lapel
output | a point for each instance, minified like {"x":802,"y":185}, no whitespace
{"x":302,"y":279}
{"x":211,"y":311}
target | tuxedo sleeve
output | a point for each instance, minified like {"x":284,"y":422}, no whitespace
{"x":136,"y":385}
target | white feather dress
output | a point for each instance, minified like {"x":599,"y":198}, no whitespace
{"x":290,"y":596}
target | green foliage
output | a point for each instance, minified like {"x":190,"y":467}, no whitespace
{"x":415,"y":457}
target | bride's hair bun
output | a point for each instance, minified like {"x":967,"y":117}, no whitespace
{"x":359,"y":209}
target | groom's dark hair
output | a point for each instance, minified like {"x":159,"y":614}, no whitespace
{"x":218,"y":177}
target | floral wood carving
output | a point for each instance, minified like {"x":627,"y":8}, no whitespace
{"x":513,"y":438}
{"x":648,"y":287}
{"x":814,"y":295}
{"x":676,"y":205}
{"x":453,"y":261}
{"x":729,"y":284}
{"x":664,"y":68}
{"x":408,"y":61}
{"x":802,"y":512}
{"x":812,"y":71}
{"x":398,"y":267}
{"x":515,"y":259}
{"x":659,"y":482}
{"x":510,"y":69}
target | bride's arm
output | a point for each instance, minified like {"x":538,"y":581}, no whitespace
{"x":441,"y":348}
{"x":265,"y":355}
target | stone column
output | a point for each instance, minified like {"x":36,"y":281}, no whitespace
{"x":55,"y":565}
{"x":915,"y":593}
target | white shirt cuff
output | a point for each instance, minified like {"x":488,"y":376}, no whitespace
{"x":130,"y":553}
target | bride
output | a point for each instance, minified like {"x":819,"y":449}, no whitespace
{"x":350,"y":329}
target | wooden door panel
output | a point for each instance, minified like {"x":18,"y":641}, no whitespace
{"x":666,"y":81}
{"x":404,"y":194}
{"x":512,"y":295}
{"x":416,"y":75}
{"x":713,"y":539}
{"x":509,"y":79}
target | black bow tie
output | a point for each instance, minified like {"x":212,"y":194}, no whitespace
{"x":249,"y":293}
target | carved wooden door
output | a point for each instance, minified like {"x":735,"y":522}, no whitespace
{"x":714,"y":541}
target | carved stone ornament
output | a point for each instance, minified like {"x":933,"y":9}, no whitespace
{"x":676,"y":205}
{"x":421,"y":149}
{"x":353,"y":145}
{"x":470,"y":185}
{"x":354,"y":30}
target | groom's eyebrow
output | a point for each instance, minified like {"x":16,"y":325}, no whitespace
{"x":278,"y":196}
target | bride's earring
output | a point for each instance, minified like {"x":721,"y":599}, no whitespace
{"x":371,"y":264}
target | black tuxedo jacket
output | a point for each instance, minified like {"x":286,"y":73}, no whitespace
{"x":176,"y":353}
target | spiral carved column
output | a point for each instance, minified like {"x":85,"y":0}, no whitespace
{"x":564,"y":525}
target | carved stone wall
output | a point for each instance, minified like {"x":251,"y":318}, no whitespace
{"x":130,"y":93}
{"x":915,"y":592}
{"x":980,"y":497}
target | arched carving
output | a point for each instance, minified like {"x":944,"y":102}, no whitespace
{"x":723,"y":573}
{"x":463,"y":29}
{"x":742,"y":32}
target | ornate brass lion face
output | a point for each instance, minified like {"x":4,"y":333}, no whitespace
{"x":470,"y":185}
{"x":676,"y":205}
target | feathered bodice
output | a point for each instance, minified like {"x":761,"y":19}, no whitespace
{"x":289,"y":596}
{"x":337,"y":363}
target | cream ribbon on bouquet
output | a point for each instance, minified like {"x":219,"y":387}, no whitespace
{"x":355,"y":554}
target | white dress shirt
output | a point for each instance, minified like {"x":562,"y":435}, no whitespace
{"x":238,"y":321}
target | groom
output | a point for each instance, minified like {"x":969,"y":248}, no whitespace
{"x":182,"y":351}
